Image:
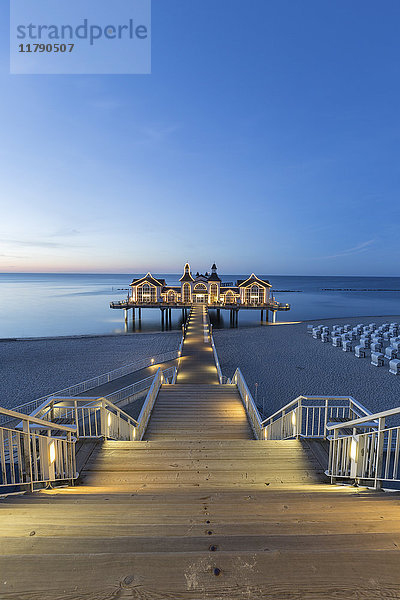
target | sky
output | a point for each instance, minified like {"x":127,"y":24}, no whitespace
{"x":265,"y":139}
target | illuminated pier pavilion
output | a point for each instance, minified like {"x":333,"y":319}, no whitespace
{"x":252,"y":293}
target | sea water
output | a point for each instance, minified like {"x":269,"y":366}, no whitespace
{"x":42,"y":305}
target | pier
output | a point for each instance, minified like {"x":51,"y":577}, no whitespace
{"x":198,"y":496}
{"x":267,"y":311}
{"x":252,"y":293}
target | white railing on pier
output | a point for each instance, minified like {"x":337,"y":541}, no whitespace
{"x":304,"y":417}
{"x":249,"y":404}
{"x":40,"y":451}
{"x":134,"y":391}
{"x":366,"y":449}
{"x":308,"y":416}
{"x":222,"y":379}
{"x":130,"y":393}
{"x":92,"y":417}
{"x":220,"y":376}
{"x":174,"y":376}
{"x":33,"y":455}
{"x":94,"y":382}
{"x":148,"y":405}
{"x":101,"y":417}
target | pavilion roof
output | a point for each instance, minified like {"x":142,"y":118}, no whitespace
{"x":253,"y":279}
{"x":186,"y":277}
{"x":148,"y":279}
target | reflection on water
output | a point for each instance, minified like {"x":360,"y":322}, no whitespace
{"x":57,"y":304}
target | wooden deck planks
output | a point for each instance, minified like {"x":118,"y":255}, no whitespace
{"x":188,"y":412}
{"x":218,"y":575}
{"x":189,"y":515}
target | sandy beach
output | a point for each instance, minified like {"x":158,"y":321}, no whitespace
{"x":283,"y":359}
{"x":286,"y":362}
{"x":32,"y":368}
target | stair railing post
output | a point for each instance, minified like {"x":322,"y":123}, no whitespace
{"x":70,"y":457}
{"x":334,"y":454}
{"x":326,"y":418}
{"x":103,"y":418}
{"x":119,"y":424}
{"x":379,"y":453}
{"x":27,"y":453}
{"x":76,"y":418}
{"x":299,"y":418}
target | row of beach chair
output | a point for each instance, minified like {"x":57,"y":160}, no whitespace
{"x":381,"y":343}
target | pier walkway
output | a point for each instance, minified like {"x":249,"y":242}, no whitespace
{"x":198,"y":364}
{"x":126,"y":380}
{"x":199,"y":510}
{"x":197,"y":407}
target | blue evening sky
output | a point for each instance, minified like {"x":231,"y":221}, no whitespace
{"x":266,"y":139}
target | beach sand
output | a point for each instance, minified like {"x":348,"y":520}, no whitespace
{"x":284,"y":360}
{"x":30,"y":369}
{"x":287,"y":362}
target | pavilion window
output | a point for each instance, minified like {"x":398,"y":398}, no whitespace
{"x":186,"y":292}
{"x":146,"y":293}
{"x":200,"y":292}
{"x":254,"y":294}
{"x":213,"y":293}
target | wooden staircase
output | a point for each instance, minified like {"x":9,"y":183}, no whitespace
{"x":200,"y":520}
{"x":198,"y":412}
{"x":225,"y":464}
{"x":200,"y":511}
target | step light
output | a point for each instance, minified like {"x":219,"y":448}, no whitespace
{"x":52,"y":452}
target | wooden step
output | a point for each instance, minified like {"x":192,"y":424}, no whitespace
{"x":227,"y":543}
{"x":194,"y":575}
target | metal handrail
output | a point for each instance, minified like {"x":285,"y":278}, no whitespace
{"x":36,"y":421}
{"x":217,"y":364}
{"x":78,"y":408}
{"x":29,"y":458}
{"x":31,"y":455}
{"x":147,"y":407}
{"x":309,"y":416}
{"x":222,"y":379}
{"x":94,"y":382}
{"x":315,"y":398}
{"x":371,"y":456}
{"x":249,"y":404}
{"x":366,"y":421}
{"x":122,"y":396}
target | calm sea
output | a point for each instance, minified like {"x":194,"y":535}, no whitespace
{"x":58,"y":304}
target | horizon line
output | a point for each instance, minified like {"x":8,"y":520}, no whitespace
{"x":172,"y":273}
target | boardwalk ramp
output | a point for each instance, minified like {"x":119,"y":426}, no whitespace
{"x":198,"y":510}
{"x":199,"y":412}
{"x":200,"y":520}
